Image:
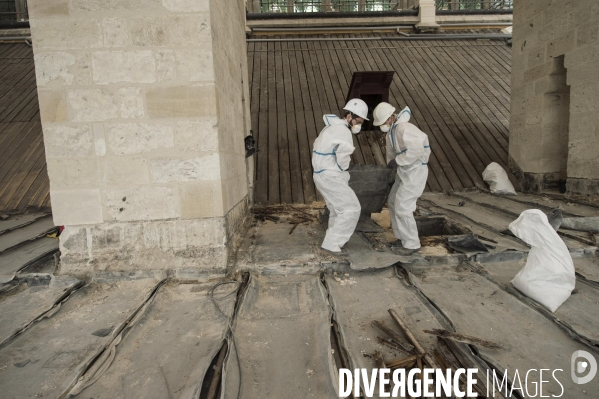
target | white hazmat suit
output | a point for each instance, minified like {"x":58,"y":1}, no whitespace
{"x":330,"y":160}
{"x":409,"y":146}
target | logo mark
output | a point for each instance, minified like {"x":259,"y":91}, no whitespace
{"x":579,"y":366}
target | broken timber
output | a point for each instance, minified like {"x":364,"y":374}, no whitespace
{"x":467,"y":339}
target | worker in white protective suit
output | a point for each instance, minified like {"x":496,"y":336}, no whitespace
{"x":330,"y":160}
{"x":408,"y":151}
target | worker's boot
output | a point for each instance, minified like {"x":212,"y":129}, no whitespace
{"x":395,"y":244}
{"x":341,"y":254}
{"x":401,"y":251}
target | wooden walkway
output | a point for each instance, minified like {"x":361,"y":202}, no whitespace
{"x":458,"y":91}
{"x":23,"y":176}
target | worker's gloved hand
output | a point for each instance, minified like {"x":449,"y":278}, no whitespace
{"x":392,"y":164}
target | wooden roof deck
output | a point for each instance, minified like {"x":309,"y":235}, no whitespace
{"x":458,"y":91}
{"x":23,"y":176}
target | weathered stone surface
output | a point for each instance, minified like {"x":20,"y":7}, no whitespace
{"x":186,"y":5}
{"x":546,"y":122}
{"x":166,"y":65}
{"x":173,"y":30}
{"x":133,"y":247}
{"x":201,"y":199}
{"x":141,"y":203}
{"x":197,"y":136}
{"x":135,"y":66}
{"x":166,"y":170}
{"x":181,"y":101}
{"x":98,"y":5}
{"x":124,"y":171}
{"x":68,"y":173}
{"x":99,"y":139}
{"x":64,"y":141}
{"x":53,"y":105}
{"x":135,"y":152}
{"x":76,"y":207}
{"x":116,"y":33}
{"x":237,"y":222}
{"x":47,"y":8}
{"x":66,"y":34}
{"x":583,"y":186}
{"x":135,"y":138}
{"x":61,"y":68}
{"x":561,"y":45}
{"x":195,"y":65}
{"x":91,"y":105}
{"x":132,"y":102}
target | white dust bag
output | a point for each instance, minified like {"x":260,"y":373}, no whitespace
{"x":548,"y":276}
{"x":498,"y":180}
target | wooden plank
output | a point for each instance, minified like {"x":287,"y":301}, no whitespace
{"x":12,"y":141}
{"x":337,"y":80}
{"x":304,"y":147}
{"x":16,"y":100}
{"x":261,"y":192}
{"x":331,"y":76}
{"x":46,"y":203}
{"x":446,"y":100}
{"x":38,"y":191}
{"x":455,"y":127}
{"x":254,"y":97}
{"x":478,"y":55}
{"x":468,"y":89}
{"x":441,"y":173}
{"x":461,"y":149}
{"x":315,"y":105}
{"x":345,"y":63}
{"x":17,"y":148}
{"x":475,"y":109}
{"x":397,"y":97}
{"x":295,"y":168}
{"x":282,"y":129}
{"x":375,"y":144}
{"x":22,"y":101}
{"x":20,"y":169}
{"x":309,"y":133}
{"x":482,"y":77}
{"x":27,"y":114}
{"x":273,"y":142}
{"x":7,"y":132}
{"x":494,"y":143}
{"x":24,"y":178}
{"x":328,"y":99}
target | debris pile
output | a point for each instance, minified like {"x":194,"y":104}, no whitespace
{"x":443,"y":357}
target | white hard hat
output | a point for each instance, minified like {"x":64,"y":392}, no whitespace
{"x":358,"y":107}
{"x":382,"y":112}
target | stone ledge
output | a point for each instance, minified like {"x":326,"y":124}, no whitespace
{"x":188,"y":247}
{"x":536,"y":182}
{"x":583,"y":186}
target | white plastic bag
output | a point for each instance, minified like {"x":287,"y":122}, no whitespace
{"x":548,"y":276}
{"x":498,"y":180}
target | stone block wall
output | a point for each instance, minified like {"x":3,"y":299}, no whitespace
{"x":554,"y":102}
{"x":142,"y":106}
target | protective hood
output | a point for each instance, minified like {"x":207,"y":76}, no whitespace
{"x":404,"y":115}
{"x":330,"y":120}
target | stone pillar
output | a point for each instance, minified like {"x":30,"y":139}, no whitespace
{"x":141,"y":103}
{"x":361,"y":5}
{"x":427,"y":16}
{"x":554,"y":106}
